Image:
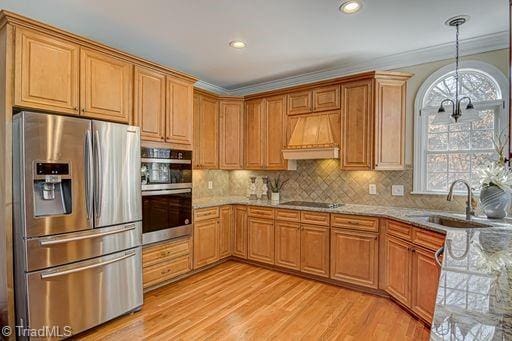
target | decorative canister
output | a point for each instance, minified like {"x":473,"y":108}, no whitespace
{"x":495,"y":202}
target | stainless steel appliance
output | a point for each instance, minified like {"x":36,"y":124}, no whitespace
{"x":313,"y":204}
{"x":166,"y":193}
{"x":77,"y":219}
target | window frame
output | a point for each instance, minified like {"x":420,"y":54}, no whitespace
{"x":421,"y":118}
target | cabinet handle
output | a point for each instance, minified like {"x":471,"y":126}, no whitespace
{"x":438,"y":255}
{"x":353,"y":222}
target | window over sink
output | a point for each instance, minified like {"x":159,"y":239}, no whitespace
{"x":444,"y":153}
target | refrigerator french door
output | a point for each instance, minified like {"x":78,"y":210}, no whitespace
{"x":77,"y":219}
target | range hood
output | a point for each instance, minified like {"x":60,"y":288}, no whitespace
{"x":312,"y":138}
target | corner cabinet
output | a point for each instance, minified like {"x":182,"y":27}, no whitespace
{"x":231,"y":138}
{"x":206,"y":132}
{"x":240,"y":232}
{"x":373,"y":122}
{"x":260,"y":241}
{"x":179,"y":113}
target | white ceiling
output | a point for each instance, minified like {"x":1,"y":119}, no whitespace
{"x":284,"y":37}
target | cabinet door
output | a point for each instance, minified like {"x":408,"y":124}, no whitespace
{"x":288,"y":244}
{"x":253,"y":133}
{"x":275,"y":133}
{"x":179,"y":112}
{"x":149,"y":104}
{"x":355,"y":257}
{"x":240,"y":232}
{"x":390,"y":124}
{"x":357,"y":125}
{"x":299,"y":103}
{"x":425,"y":279}
{"x":105,"y":86}
{"x":225,"y":231}
{"x":314,"y":249}
{"x":208,"y":133}
{"x":206,"y":247}
{"x":195,"y":126}
{"x":326,"y":98}
{"x":46,"y":72}
{"x":260,"y":240}
{"x":398,"y":269}
{"x":231,"y":135}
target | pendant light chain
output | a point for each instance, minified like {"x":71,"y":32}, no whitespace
{"x":457,"y":66}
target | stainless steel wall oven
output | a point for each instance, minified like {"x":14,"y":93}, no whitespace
{"x":166,"y":176}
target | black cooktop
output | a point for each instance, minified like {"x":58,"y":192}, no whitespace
{"x":312,"y":204}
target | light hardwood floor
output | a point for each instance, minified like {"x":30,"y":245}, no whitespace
{"x":236,"y":301}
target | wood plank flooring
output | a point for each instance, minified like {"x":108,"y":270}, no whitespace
{"x":236,"y":301}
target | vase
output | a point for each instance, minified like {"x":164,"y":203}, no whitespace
{"x":275,"y":198}
{"x":495,"y":202}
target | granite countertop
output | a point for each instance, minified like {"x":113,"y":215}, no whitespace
{"x":474,"y":298}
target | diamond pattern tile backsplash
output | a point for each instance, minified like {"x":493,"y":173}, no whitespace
{"x":322,"y":180}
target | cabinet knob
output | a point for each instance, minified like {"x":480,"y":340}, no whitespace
{"x":75,"y":109}
{"x":83,"y":109}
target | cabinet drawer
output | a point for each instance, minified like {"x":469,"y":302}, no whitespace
{"x":355,"y":222}
{"x":161,"y":272}
{"x":288,"y":215}
{"x":299,"y":102}
{"x":399,"y":230}
{"x":316,"y":218}
{"x":428,"y":239}
{"x":168,"y":250}
{"x":206,"y":213}
{"x":260,"y":212}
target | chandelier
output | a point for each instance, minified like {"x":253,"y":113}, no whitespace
{"x":457,"y":114}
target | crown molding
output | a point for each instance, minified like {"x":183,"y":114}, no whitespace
{"x":470,"y":46}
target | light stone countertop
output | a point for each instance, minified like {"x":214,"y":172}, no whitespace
{"x":474,"y":297}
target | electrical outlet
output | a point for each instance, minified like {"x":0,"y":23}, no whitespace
{"x":210,"y":184}
{"x":397,"y":190}
{"x":372,"y":189}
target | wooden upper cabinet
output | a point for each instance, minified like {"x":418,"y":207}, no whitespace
{"x":425,"y":280}
{"x":355,"y":257}
{"x":225,"y":231}
{"x":275,"y":132}
{"x":207,"y":129}
{"x":105,"y":86}
{"x":314,"y":250}
{"x":287,"y":244}
{"x":240,"y":232}
{"x":46,"y":72}
{"x":179,"y":112}
{"x":254,"y":121}
{"x":206,"y":242}
{"x":260,"y":240}
{"x":326,"y":98}
{"x":149,"y":104}
{"x":231,"y":134}
{"x":357,"y":125}
{"x":300,"y":102}
{"x":390,"y":124}
{"x":397,"y":269}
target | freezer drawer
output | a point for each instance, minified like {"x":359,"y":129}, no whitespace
{"x":85,"y":294}
{"x":67,"y":248}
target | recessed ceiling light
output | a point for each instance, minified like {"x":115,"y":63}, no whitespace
{"x":237,"y":44}
{"x":351,"y":6}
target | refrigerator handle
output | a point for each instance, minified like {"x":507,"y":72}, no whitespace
{"x":88,"y":172}
{"x":98,"y":190}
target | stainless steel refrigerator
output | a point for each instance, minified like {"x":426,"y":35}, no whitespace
{"x":77,"y":221}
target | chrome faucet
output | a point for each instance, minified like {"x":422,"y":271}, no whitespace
{"x":469,"y":202}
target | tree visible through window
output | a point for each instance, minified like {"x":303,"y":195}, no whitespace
{"x":458,"y":150}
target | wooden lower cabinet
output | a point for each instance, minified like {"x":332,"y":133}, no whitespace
{"x":206,"y":249}
{"x":287,"y":244}
{"x":355,"y":257}
{"x":398,"y":269}
{"x":314,"y":249}
{"x":425,"y":280}
{"x":240,"y":232}
{"x":260,"y":233}
{"x":225,"y":231}
{"x":164,"y":261}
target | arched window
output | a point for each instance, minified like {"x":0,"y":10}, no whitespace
{"x":444,"y":153}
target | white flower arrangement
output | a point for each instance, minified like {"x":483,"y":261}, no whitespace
{"x":496,"y":174}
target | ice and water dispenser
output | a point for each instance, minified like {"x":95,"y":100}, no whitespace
{"x":52,"y":188}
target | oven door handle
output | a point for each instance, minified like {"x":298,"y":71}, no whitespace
{"x":166,"y":192}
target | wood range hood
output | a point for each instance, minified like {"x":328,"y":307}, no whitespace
{"x":312,"y":138}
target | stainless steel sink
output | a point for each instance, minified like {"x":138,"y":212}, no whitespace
{"x":452,"y":222}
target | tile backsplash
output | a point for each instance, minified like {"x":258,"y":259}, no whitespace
{"x":322,"y":180}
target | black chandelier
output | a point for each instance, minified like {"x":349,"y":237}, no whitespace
{"x":470,"y":114}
